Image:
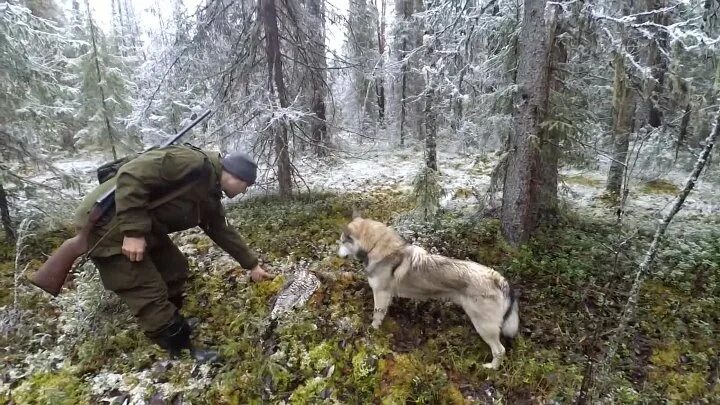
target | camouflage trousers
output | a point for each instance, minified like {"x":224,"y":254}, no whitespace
{"x":151,"y":288}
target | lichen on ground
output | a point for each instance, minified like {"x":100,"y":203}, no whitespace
{"x":425,"y":352}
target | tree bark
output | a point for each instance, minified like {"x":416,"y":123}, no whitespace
{"x":530,"y":185}
{"x":318,"y":76}
{"x":5,"y":214}
{"x":431,"y":130}
{"x":658,"y":65}
{"x":379,"y":85}
{"x":622,"y":127}
{"x":403,"y":92}
{"x":275,"y":77}
{"x":682,"y":135}
{"x":410,"y":114}
{"x":430,"y":115}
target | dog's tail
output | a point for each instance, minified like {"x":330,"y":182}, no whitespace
{"x":511,"y":320}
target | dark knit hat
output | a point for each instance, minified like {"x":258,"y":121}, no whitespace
{"x":241,"y":166}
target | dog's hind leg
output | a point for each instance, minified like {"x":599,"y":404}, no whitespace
{"x":489,"y":330}
{"x":491,"y":336}
{"x":382,"y":301}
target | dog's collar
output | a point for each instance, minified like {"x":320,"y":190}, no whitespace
{"x":363,"y":254}
{"x":373,"y":246}
{"x":395,"y":267}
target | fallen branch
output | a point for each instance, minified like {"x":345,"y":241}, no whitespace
{"x":631,"y":304}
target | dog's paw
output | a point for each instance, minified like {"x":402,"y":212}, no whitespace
{"x":376,"y":325}
{"x":490,"y":366}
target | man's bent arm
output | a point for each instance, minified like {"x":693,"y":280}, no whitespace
{"x":229,"y":240}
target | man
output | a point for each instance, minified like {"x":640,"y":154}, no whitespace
{"x":132,"y":251}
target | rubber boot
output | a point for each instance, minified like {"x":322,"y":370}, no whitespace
{"x":178,"y":302}
{"x":175,"y":337}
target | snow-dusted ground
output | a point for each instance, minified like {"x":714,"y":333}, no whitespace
{"x":465,"y":178}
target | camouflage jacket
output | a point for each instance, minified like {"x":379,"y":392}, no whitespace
{"x":152,"y":175}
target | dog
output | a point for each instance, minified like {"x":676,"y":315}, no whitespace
{"x":396,"y":268}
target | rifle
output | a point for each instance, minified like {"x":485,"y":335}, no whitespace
{"x":51,"y":276}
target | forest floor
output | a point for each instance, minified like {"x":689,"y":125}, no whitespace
{"x":83,"y":347}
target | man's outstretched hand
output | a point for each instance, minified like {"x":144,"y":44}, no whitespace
{"x":259,"y":274}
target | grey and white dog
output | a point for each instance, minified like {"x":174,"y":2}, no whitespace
{"x":397,"y":269}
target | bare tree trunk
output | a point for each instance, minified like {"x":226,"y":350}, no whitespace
{"x":403,"y":93}
{"x":416,"y":80}
{"x":431,"y":127}
{"x":683,"y":128}
{"x":530,"y":186}
{"x":5,"y":215}
{"x":121,"y":26}
{"x":275,"y":75}
{"x":623,"y":108}
{"x":431,"y":130}
{"x":131,"y":26}
{"x":430,"y":116}
{"x":403,"y":12}
{"x":67,"y":140}
{"x":456,"y":103}
{"x":647,"y":262}
{"x":318,"y":73}
{"x":379,"y":86}
{"x":100,"y":86}
{"x":658,"y":64}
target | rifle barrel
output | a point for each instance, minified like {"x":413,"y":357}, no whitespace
{"x":190,"y":126}
{"x":187,"y":128}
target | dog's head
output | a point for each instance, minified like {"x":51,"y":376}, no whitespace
{"x":350,"y":243}
{"x":362,"y":237}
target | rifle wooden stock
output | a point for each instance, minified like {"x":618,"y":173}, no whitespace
{"x":52,"y":274}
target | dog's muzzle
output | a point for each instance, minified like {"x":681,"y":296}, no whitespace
{"x":343,"y":251}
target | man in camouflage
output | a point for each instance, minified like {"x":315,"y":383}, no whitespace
{"x":132,"y":251}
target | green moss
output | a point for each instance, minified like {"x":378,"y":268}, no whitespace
{"x":365,"y":378}
{"x":408,"y":377}
{"x":319,"y":357}
{"x":451,"y":395}
{"x":7,"y":250}
{"x":7,"y":282}
{"x":313,"y":390}
{"x":666,"y":357}
{"x":34,"y":252}
{"x":659,"y":186}
{"x":462,"y":193}
{"x":609,"y":199}
{"x":686,"y":387}
{"x":62,"y":388}
{"x":301,"y":226}
{"x":542,"y":372}
{"x":326,"y":352}
{"x":582,"y":180}
{"x":203,"y":245}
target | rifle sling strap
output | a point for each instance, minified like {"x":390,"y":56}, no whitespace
{"x":169,"y":196}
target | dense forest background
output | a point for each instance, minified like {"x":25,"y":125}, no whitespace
{"x":566,"y":143}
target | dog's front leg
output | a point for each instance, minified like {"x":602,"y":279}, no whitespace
{"x":382,"y":302}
